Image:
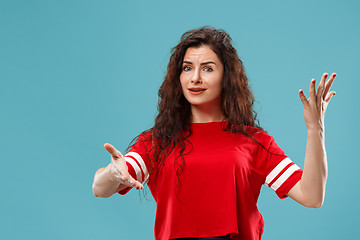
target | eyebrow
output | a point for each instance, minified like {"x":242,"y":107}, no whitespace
{"x":203,"y":63}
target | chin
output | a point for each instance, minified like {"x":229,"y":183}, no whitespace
{"x":197,"y":103}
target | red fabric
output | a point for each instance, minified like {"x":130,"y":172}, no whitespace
{"x":220,"y":184}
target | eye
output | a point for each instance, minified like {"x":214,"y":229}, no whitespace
{"x":186,"y":68}
{"x":208,"y":69}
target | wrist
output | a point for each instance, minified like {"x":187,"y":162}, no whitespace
{"x":317,"y":127}
{"x":316,"y":132}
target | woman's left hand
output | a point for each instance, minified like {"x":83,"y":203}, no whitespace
{"x":310,"y":190}
{"x":315,"y":106}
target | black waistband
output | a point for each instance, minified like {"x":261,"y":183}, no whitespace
{"x":227,"y":237}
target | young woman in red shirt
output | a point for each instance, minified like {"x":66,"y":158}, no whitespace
{"x":206,"y":158}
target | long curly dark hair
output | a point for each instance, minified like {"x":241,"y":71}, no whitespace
{"x":172,"y":123}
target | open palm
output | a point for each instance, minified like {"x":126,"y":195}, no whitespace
{"x":315,"y":106}
{"x":119,"y":168}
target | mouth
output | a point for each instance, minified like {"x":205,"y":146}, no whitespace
{"x":197,"y":89}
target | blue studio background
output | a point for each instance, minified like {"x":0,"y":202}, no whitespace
{"x":78,"y":73}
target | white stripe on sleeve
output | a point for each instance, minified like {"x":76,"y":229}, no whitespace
{"x":141,"y":162}
{"x":136,"y":168}
{"x":284,"y":176}
{"x":277,"y":170}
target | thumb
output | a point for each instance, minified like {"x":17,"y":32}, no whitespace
{"x":303,"y":98}
{"x":112,"y":150}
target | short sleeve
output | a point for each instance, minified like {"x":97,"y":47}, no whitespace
{"x":281,"y":173}
{"x":137,"y":161}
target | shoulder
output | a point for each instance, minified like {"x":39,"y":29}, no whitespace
{"x":142,"y":139}
{"x":146,"y":135}
{"x":260,"y":135}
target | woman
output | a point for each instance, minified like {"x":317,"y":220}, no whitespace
{"x":206,"y":158}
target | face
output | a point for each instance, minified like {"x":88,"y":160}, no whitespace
{"x":201,"y":77}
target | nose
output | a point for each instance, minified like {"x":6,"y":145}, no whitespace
{"x":196,"y":78}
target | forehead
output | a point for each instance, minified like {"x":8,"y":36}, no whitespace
{"x":202,"y":52}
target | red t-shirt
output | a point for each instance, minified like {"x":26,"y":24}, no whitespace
{"x":220,"y":184}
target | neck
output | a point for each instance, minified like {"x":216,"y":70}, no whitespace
{"x":206,"y":114}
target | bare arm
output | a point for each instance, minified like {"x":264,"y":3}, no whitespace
{"x":114,"y":177}
{"x":310,"y":190}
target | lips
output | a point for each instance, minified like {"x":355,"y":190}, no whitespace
{"x":196,"y":91}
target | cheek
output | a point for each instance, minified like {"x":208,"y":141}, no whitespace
{"x":182,"y":82}
{"x":217,"y":84}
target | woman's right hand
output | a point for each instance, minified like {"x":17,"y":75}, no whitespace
{"x":119,"y":168}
